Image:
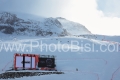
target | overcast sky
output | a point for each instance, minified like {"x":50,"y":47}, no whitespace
{"x":99,"y":16}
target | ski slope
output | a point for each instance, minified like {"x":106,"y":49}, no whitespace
{"x":91,"y":65}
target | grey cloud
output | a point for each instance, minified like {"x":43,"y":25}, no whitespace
{"x":109,"y":7}
{"x":50,"y":8}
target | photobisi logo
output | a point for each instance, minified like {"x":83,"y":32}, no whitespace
{"x":73,"y":46}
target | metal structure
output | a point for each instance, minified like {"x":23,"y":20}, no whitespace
{"x":34,"y":62}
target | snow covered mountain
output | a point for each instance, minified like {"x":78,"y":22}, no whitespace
{"x":72,"y":27}
{"x":29,"y":25}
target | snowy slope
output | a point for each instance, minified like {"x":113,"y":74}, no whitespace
{"x":92,"y":65}
{"x":73,"y":28}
